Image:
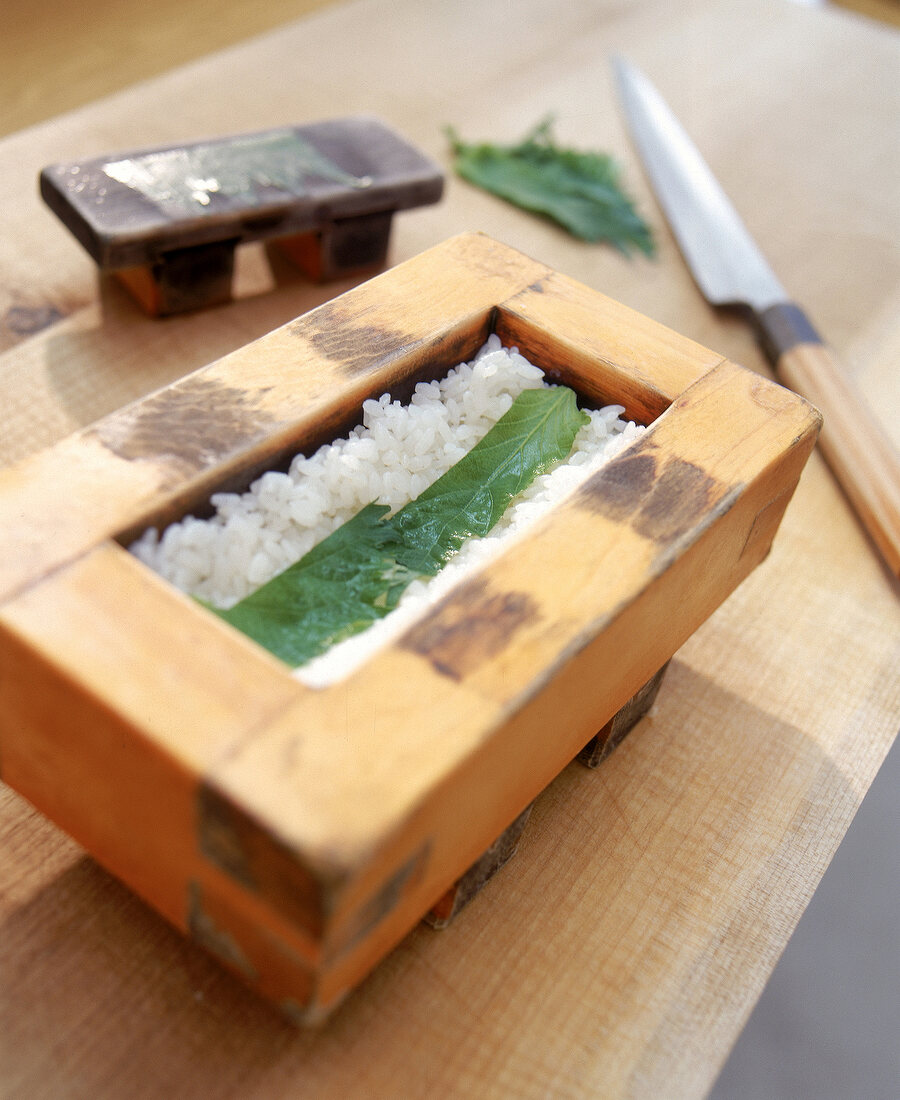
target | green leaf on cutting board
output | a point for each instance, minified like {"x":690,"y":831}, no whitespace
{"x":358,"y":573}
{"x":578,"y":190}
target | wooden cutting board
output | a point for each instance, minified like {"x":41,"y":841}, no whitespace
{"x":622,"y":950}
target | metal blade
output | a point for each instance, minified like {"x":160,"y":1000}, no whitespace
{"x":724,"y":259}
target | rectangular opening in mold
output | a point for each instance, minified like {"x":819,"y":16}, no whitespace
{"x":272,"y":524}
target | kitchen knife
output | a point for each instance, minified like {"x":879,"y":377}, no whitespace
{"x":731,"y":271}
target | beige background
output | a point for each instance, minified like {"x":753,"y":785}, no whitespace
{"x":650,"y":903}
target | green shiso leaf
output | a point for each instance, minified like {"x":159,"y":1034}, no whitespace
{"x":339,"y":588}
{"x":536,"y":432}
{"x":578,"y":190}
{"x":358,"y":573}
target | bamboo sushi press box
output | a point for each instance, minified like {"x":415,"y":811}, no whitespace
{"x":299,"y":831}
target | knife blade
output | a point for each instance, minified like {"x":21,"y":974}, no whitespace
{"x":730,"y":270}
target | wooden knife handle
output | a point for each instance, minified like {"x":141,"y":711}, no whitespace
{"x":853,"y":442}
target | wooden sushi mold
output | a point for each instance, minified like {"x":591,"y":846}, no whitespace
{"x":166,"y":222}
{"x":298,"y":834}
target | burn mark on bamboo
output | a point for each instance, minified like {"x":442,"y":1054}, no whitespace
{"x":469,"y":627}
{"x":208,"y":933}
{"x":619,"y":487}
{"x":682,"y":493}
{"x":351,"y":340}
{"x":252,"y":857}
{"x":361,"y":346}
{"x":661,"y":499}
{"x":197,"y":423}
{"x":386,"y":898}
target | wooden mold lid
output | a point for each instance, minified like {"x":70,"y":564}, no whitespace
{"x":166,"y":221}
{"x":130,"y":208}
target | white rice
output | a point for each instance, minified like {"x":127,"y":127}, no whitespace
{"x":393,"y":456}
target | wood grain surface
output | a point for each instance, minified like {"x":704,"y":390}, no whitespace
{"x":621,"y":951}
{"x":860,"y":455}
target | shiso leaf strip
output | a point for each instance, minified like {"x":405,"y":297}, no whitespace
{"x":359,"y":572}
{"x":578,"y":190}
{"x":341,"y":586}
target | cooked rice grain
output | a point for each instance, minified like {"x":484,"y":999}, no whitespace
{"x":396,"y":453}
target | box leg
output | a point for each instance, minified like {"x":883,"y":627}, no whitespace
{"x":343,"y":247}
{"x":483,"y":869}
{"x":621,"y":723}
{"x":504,"y":847}
{"x":182,"y":279}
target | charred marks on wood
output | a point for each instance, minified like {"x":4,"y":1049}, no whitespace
{"x":357,"y":346}
{"x":682,"y":493}
{"x":350,"y":340}
{"x":360,"y":346}
{"x":196,"y":422}
{"x":619,"y":488}
{"x":241,"y":847}
{"x":259,"y":862}
{"x":263,"y":956}
{"x":469,"y":627}
{"x":207,"y":932}
{"x":385,"y":899}
{"x":662,"y":502}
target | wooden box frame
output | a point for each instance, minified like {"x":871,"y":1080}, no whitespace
{"x":300,"y":833}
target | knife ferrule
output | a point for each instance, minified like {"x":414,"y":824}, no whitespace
{"x":782,"y":327}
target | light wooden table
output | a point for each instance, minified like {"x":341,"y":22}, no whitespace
{"x":624,"y":948}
